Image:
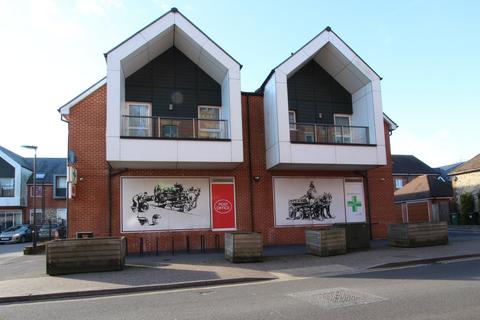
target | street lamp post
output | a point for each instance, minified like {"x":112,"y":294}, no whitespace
{"x":34,"y":240}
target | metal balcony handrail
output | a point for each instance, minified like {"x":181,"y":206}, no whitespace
{"x":325,"y":125}
{"x":175,"y":127}
{"x":329,"y":133}
{"x":171,"y":118}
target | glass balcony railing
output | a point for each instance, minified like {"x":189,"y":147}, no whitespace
{"x":328,"y":134}
{"x":174,"y":128}
{"x":7,"y":191}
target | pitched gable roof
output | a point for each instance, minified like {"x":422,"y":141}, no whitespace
{"x":17,"y":158}
{"x":334,"y":47}
{"x":51,"y":167}
{"x":410,"y":165}
{"x":471,"y":165}
{"x":424,"y":187}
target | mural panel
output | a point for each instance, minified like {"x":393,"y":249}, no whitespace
{"x":308,"y":201}
{"x":165,"y":203}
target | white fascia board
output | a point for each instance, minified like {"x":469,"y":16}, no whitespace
{"x":65,"y":109}
{"x":315,"y":45}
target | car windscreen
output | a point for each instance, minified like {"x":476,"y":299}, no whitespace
{"x":14,"y":228}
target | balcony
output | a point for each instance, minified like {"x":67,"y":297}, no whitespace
{"x":328,"y":134}
{"x":157,"y":82}
{"x":7,"y":191}
{"x":174,"y":128}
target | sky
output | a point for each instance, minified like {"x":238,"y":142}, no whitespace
{"x":427,"y":53}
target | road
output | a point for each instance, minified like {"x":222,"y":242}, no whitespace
{"x":437,"y":291}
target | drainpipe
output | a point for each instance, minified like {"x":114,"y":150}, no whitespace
{"x":110,"y":212}
{"x":250,"y":177}
{"x":68,"y":183}
{"x":109,"y":200}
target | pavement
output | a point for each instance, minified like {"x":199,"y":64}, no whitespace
{"x":23,"y":278}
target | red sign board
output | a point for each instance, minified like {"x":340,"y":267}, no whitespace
{"x":223,"y":206}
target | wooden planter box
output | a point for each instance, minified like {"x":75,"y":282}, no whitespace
{"x":243,"y":246}
{"x":326,"y":242}
{"x":85,"y":255}
{"x":357,"y":235}
{"x":417,"y":234}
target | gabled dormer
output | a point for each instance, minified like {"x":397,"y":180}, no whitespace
{"x":173,"y":99}
{"x":14,"y":173}
{"x":323,"y":109}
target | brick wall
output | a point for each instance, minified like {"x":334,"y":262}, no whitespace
{"x":89,"y":209}
{"x":47,"y":202}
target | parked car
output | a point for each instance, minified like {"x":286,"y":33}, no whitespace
{"x":51,"y":231}
{"x":21,"y":233}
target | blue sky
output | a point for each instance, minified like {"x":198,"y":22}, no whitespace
{"x":426,"y":51}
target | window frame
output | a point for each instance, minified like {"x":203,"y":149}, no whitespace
{"x":39,"y":186}
{"x":294,"y":123}
{"x":12,"y":187}
{"x":127,"y":126}
{"x":398,"y":181}
{"x":209,"y":130}
{"x":343,"y":136}
{"x":55,"y":195}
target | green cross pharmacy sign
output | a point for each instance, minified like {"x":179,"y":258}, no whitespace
{"x":354,"y":203}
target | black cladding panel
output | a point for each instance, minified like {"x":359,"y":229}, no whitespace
{"x":311,"y":90}
{"x":172,"y":78}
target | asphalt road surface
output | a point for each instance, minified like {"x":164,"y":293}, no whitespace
{"x":437,"y":291}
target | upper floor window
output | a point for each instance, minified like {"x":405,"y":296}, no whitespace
{"x":7,"y":187}
{"x":292,"y":119}
{"x":398,"y":183}
{"x":138,"y":119}
{"x":209,"y":124}
{"x":60,"y":187}
{"x":37,"y":191}
{"x":342,"y":128}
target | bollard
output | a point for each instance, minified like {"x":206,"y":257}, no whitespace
{"x":156,"y":246}
{"x":188,"y":244}
{"x":173,"y":245}
{"x":141,"y":247}
{"x":126,"y":246}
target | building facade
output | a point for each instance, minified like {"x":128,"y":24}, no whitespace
{"x":408,"y":167}
{"x":167,"y":148}
{"x":16,"y":190}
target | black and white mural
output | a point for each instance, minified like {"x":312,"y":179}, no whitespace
{"x":308,"y":201}
{"x":164,"y":203}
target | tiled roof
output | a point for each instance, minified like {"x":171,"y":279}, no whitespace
{"x":409,"y":164}
{"x":50,"y":167}
{"x":468,"y":166}
{"x":424,"y":187}
{"x":17,"y":158}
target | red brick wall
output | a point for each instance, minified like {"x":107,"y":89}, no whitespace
{"x":89,"y":210}
{"x":47,"y":202}
{"x":380,"y":195}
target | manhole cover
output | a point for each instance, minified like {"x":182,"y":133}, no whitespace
{"x":335,"y":297}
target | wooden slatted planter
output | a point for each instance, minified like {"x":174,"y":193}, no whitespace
{"x":85,"y":255}
{"x":243,"y":246}
{"x":417,"y":234}
{"x":326,"y":242}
